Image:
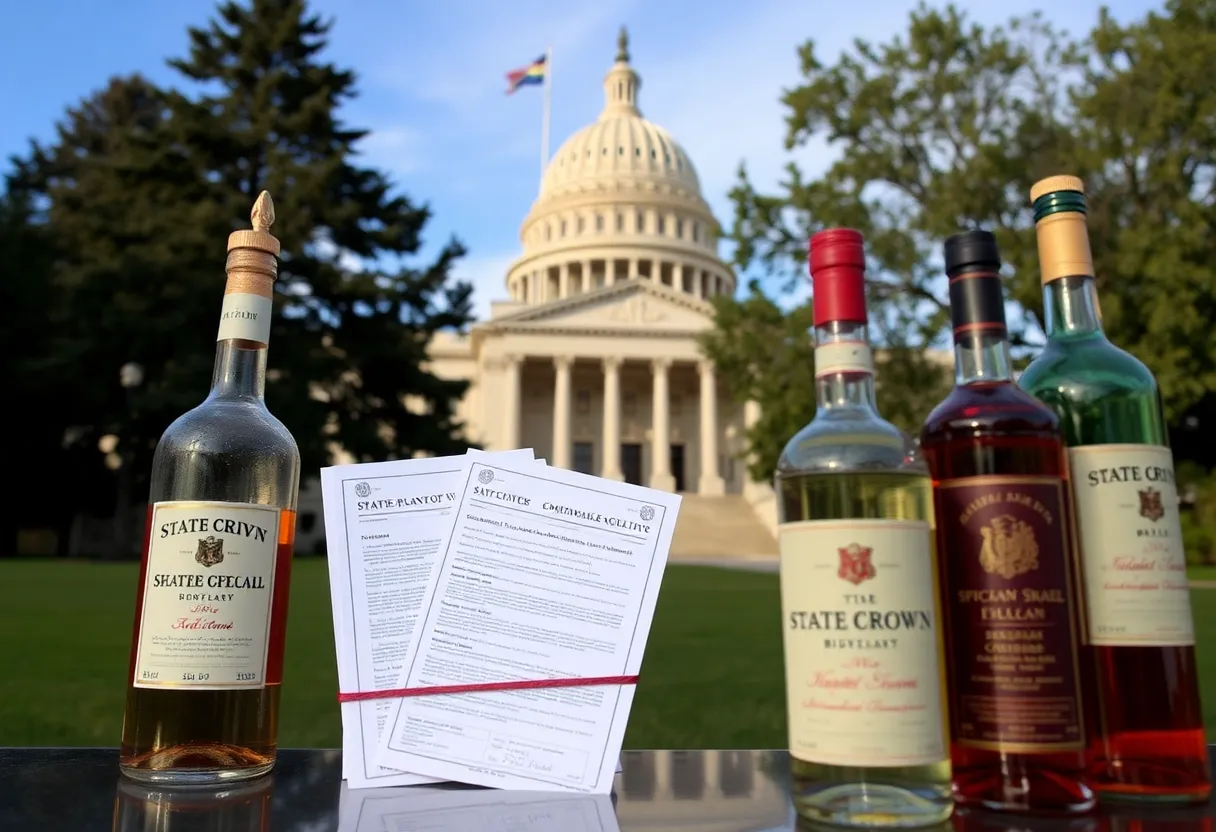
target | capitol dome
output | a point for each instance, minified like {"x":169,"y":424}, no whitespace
{"x":620,"y":200}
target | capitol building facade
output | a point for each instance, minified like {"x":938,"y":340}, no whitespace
{"x":592,"y":359}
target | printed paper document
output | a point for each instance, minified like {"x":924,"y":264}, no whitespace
{"x":385,"y":525}
{"x":546,"y":574}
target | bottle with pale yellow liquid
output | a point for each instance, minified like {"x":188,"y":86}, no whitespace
{"x":859,"y":599}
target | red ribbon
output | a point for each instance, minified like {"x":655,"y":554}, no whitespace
{"x":484,"y":687}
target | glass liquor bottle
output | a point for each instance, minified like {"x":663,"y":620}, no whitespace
{"x":1000,"y":480}
{"x":861,"y":632}
{"x":211,"y":610}
{"x":1149,"y":744}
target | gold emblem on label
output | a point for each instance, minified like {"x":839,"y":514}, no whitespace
{"x":210,"y":551}
{"x":1151,"y":507}
{"x":1009,"y":547}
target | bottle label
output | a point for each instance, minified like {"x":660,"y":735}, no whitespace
{"x":245,"y":316}
{"x":843,"y":357}
{"x":862,"y":658}
{"x":1134,"y":564}
{"x":1013,"y":632}
{"x":205,"y":618}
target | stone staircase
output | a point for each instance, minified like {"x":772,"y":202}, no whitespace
{"x":720,"y":528}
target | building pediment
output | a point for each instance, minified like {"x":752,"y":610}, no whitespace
{"x":634,"y":306}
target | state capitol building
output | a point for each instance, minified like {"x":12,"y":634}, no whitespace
{"x":592,"y":358}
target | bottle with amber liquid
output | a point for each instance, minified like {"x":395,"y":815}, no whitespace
{"x":1149,"y":744}
{"x":1000,"y":483}
{"x":860,"y":623}
{"x":211,"y":609}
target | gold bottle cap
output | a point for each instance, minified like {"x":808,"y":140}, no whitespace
{"x":260,"y":237}
{"x":1056,"y":183}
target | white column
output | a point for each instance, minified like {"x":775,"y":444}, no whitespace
{"x":660,"y":447}
{"x":711,"y":482}
{"x":564,"y":280}
{"x":633,"y":268}
{"x":587,"y":285}
{"x":713,"y":767}
{"x":612,"y":419}
{"x":511,"y":438}
{"x":561,"y":412}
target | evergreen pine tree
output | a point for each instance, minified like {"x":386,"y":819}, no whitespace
{"x":349,"y":345}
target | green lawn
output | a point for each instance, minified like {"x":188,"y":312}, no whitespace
{"x":712,"y":676}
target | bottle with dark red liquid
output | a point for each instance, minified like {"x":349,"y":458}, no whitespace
{"x":1000,"y":490}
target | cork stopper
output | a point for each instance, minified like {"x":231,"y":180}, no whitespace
{"x":252,"y":254}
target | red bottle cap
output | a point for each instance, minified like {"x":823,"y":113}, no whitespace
{"x":838,"y":276}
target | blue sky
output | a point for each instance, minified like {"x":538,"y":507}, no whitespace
{"x":430,"y":77}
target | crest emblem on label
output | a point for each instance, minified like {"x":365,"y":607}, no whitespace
{"x":210,"y":551}
{"x":855,"y":564}
{"x":1009,"y":547}
{"x":1150,"y":504}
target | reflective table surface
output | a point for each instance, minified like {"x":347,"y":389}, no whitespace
{"x":79,"y":789}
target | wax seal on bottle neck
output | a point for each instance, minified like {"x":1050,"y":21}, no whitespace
{"x":255,"y":250}
{"x":838,"y":268}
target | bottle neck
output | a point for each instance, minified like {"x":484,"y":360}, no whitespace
{"x":1071,"y":307}
{"x":844,"y":367}
{"x":244,"y":332}
{"x":240,"y":370}
{"x":982,"y":355}
{"x":1070,"y":297}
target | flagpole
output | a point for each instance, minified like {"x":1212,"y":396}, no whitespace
{"x":544,"y":122}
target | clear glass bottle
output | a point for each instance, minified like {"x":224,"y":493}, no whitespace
{"x":860,"y":617}
{"x":1000,"y":488}
{"x":1149,"y":743}
{"x":211,"y":611}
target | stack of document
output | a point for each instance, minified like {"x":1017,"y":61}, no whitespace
{"x":490,"y":569}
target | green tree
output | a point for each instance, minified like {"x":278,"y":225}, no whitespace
{"x":1147,"y":128}
{"x":349,"y":344}
{"x":941,"y":129}
{"x":37,"y":460}
{"x":130,"y":277}
{"x":141,"y":189}
{"x":765,"y":356}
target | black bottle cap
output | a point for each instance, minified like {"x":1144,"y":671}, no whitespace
{"x":975,"y":249}
{"x":977,"y":299}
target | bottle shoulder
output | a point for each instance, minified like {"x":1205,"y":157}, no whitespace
{"x":846,"y":442}
{"x":1086,"y":370}
{"x":229,"y":427}
{"x":989,"y":408}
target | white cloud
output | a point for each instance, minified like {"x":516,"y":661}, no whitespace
{"x":488,"y":274}
{"x":395,"y":148}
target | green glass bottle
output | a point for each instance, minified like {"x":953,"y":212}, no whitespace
{"x":1148,"y":743}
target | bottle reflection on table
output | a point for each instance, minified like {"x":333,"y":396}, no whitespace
{"x":1146,"y":819}
{"x":978,"y":820}
{"x":1105,"y":819}
{"x":243,"y":807}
